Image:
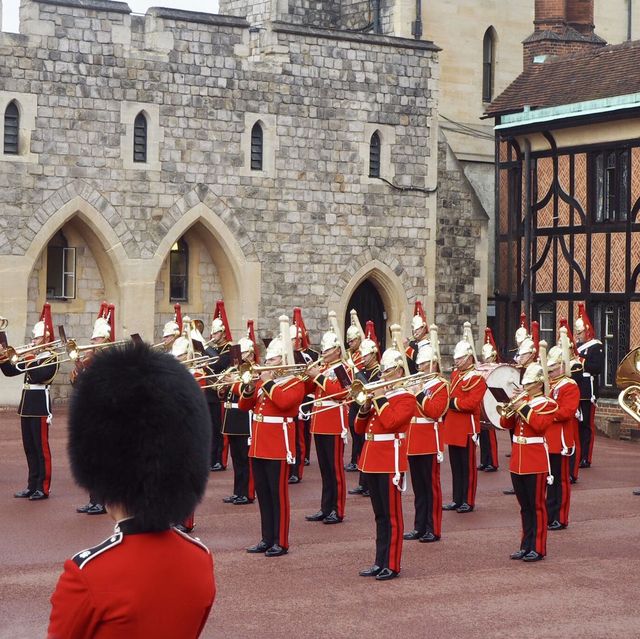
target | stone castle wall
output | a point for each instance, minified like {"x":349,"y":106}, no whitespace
{"x":277,"y":238}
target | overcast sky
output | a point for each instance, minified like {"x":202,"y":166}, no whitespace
{"x":10,"y":8}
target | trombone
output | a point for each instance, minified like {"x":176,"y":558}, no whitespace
{"x":360,"y":393}
{"x":74,"y":352}
{"x":510,"y":408}
{"x":16,"y":356}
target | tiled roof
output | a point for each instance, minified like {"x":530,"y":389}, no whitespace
{"x":601,"y":73}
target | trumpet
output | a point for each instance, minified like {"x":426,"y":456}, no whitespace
{"x":510,"y":408}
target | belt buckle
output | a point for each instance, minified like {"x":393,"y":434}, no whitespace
{"x":369,"y":437}
{"x":521,"y":440}
{"x":258,"y":417}
{"x":227,"y":404}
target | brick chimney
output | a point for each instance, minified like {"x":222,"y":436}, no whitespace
{"x":562,"y":27}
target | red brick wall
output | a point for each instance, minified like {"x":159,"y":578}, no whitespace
{"x":580,"y":15}
{"x":608,"y":408}
{"x":549,"y":12}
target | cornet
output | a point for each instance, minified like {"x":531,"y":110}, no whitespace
{"x":509,"y":409}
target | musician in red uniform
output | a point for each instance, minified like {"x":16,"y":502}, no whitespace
{"x":462,"y":427}
{"x":139,"y":436}
{"x":302,"y":354}
{"x":354,"y":360}
{"x":39,"y":368}
{"x":560,"y":438}
{"x":384,"y":420}
{"x":330,"y":429}
{"x":426,"y":450}
{"x":530,"y":469}
{"x":275,"y":404}
{"x":369,"y":372}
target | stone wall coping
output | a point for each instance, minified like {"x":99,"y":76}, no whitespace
{"x":92,"y":5}
{"x":198,"y":17}
{"x":351,"y":36}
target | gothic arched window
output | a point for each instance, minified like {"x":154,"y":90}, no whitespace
{"x":140,"y":138}
{"x":488,"y":64}
{"x":375,"y":147}
{"x":11,"y":129}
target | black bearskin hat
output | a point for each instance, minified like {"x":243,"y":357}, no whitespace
{"x":140,"y":434}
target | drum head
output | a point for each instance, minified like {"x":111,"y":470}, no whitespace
{"x":503,"y":382}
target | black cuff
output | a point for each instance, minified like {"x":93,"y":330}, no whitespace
{"x":380,"y":403}
{"x":525,"y":411}
{"x":420,"y":397}
{"x":320,"y":380}
{"x":452,"y":404}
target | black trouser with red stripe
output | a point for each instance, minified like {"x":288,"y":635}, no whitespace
{"x":559,"y":493}
{"x":587,"y":429}
{"x":271,"y":477}
{"x":242,"y":480}
{"x":297,"y":469}
{"x":217,"y":438}
{"x":531,"y":491}
{"x":488,"y":448}
{"x":425,"y":479}
{"x":386,"y":500}
{"x":464,"y":473}
{"x":35,"y":440}
{"x":330,"y":451}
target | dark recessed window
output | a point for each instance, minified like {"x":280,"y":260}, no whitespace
{"x":488,"y":64}
{"x":609,"y":185}
{"x":179,"y":272}
{"x":61,"y":269}
{"x":257,"y":147}
{"x":11,"y":129}
{"x":374,"y":155}
{"x":140,"y":138}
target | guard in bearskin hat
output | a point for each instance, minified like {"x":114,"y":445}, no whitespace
{"x":139,"y":438}
{"x":39,"y":365}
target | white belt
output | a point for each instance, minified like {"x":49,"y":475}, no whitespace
{"x":285,"y":421}
{"x":35,"y":387}
{"x":327,"y":402}
{"x":230,"y":405}
{"x":384,"y":437}
{"x":518,"y":439}
{"x":271,"y":420}
{"x":424,"y":420}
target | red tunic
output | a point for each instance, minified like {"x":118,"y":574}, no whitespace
{"x":158,"y":585}
{"x":333,"y":421}
{"x":528,"y":455}
{"x":463,"y":417}
{"x":390,"y":415}
{"x":431,"y":404}
{"x":275,"y":406}
{"x":560,"y":435}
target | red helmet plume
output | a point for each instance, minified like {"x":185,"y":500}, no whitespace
{"x":370,"y":333}
{"x":45,"y":316}
{"x":302,"y":336}
{"x":177,"y":316}
{"x":584,"y":323}
{"x":535,"y":335}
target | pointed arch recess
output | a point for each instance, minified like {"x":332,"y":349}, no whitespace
{"x":239,"y":278}
{"x":395,"y":292}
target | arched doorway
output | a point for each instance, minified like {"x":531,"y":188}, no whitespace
{"x":368,"y":303}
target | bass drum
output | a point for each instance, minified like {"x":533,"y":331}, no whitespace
{"x":503,"y":383}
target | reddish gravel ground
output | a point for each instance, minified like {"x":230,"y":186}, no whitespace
{"x":463,"y":586}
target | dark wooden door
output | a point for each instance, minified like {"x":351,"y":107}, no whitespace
{"x":368,"y":304}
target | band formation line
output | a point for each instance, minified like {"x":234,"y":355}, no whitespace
{"x":397,"y":407}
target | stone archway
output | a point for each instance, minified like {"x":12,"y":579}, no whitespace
{"x":239,"y":278}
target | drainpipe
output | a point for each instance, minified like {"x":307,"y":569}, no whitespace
{"x":629,"y":18}
{"x":416,"y":27}
{"x":377,"y":22}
